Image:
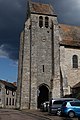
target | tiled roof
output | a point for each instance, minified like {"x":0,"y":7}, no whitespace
{"x":77,"y":85}
{"x":42,"y":8}
{"x":70,"y":35}
{"x":72,"y":43}
{"x":8,"y":84}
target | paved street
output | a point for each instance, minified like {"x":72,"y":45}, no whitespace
{"x":10,"y":114}
{"x":6,"y":114}
{"x":46,"y":116}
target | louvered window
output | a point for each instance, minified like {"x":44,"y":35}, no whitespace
{"x":40,"y":21}
{"x":46,"y":22}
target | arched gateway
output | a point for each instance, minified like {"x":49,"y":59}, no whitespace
{"x":43,"y":94}
{"x":38,"y":57}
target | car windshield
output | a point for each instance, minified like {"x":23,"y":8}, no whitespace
{"x":58,"y":102}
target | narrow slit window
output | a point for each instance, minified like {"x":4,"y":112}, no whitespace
{"x":46,"y":22}
{"x":43,"y":68}
{"x":6,"y":101}
{"x":40,"y":21}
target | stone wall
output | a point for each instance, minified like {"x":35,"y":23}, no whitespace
{"x":19,"y":82}
{"x":4,"y":97}
{"x":25,"y":76}
{"x":41,"y":48}
{"x":71,"y":76}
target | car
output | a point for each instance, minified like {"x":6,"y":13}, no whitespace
{"x":44,"y":106}
{"x":55,"y":105}
{"x":71,"y":109}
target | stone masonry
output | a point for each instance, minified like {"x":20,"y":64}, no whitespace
{"x":46,"y":57}
{"x":40,"y":48}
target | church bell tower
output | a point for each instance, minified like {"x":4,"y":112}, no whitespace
{"x":39,"y":64}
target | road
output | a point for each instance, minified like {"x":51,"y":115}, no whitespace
{"x":9,"y":114}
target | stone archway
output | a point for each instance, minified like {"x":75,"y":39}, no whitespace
{"x":43,"y":94}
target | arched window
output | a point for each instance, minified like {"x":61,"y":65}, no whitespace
{"x":40,"y":21}
{"x":75,"y":61}
{"x":46,"y":22}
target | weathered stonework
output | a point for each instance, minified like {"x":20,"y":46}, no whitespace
{"x":7,"y":94}
{"x":39,"y":43}
{"x":71,"y":75}
{"x":45,"y":58}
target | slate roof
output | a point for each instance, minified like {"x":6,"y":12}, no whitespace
{"x":8,"y":85}
{"x":42,"y":8}
{"x":70,"y":35}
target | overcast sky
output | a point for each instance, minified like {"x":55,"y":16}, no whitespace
{"x":12,"y":17}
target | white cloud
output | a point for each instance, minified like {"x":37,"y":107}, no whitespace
{"x":76,"y":3}
{"x":3,"y":53}
{"x":14,"y":64}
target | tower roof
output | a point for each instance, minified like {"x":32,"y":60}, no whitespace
{"x":41,"y":8}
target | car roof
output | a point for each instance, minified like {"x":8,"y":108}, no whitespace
{"x":74,"y":101}
{"x":64,"y":99}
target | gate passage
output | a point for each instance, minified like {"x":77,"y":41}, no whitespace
{"x":43,"y":95}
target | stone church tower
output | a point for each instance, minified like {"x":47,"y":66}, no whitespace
{"x":39,"y":58}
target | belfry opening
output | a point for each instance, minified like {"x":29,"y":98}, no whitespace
{"x":43,"y":95}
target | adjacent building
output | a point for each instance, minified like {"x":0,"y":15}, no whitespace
{"x":49,"y":57}
{"x":7,"y":94}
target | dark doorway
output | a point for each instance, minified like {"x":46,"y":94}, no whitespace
{"x":43,"y":95}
